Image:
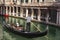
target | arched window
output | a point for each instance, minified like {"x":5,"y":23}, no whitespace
{"x":18,"y":11}
{"x":37,"y":0}
{"x":22,"y":1}
{"x":8,"y":9}
{"x":31,"y":0}
{"x":14,"y":9}
{"x":11,"y":9}
{"x":42,"y":0}
{"x":15,"y":1}
{"x":26,"y":1}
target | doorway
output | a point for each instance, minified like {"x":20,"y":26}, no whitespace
{"x":53,"y":15}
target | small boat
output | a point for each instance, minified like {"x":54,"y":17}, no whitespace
{"x":24,"y":33}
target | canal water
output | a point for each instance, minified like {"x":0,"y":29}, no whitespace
{"x":53,"y":33}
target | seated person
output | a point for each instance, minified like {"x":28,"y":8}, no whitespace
{"x":20,"y":28}
{"x":17,"y":24}
{"x":13,"y":26}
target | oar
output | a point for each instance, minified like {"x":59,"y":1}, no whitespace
{"x":37,"y":28}
{"x":40,"y":30}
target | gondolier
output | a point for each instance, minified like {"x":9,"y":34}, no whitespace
{"x":28,"y":22}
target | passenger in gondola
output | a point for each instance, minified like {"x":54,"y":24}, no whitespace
{"x":19,"y":27}
{"x":28,"y":22}
{"x":12,"y":25}
{"x":17,"y":24}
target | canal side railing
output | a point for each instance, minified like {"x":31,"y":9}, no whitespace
{"x":43,"y":22}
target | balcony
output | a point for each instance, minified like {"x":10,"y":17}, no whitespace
{"x":34,"y":4}
{"x":37,"y":4}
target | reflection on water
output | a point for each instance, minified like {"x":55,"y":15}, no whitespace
{"x":54,"y":33}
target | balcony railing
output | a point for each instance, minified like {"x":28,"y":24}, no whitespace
{"x":34,"y":4}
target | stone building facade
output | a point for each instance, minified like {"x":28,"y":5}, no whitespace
{"x":40,"y":10}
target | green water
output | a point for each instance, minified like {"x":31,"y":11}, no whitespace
{"x":53,"y":34}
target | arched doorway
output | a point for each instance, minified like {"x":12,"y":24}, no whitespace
{"x":53,"y":15}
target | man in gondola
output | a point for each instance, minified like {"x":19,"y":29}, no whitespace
{"x":28,"y":22}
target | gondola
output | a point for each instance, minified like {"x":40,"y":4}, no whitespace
{"x":24,"y":33}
